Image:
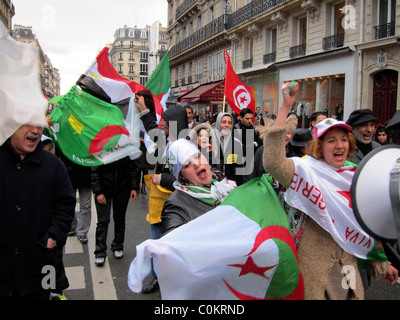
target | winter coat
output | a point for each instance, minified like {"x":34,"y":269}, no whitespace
{"x":231,"y":153}
{"x":37,"y":202}
{"x":180,"y":208}
{"x":358,"y":155}
{"x":174,"y":113}
{"x":111,"y":178}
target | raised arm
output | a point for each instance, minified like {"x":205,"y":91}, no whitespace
{"x":274,"y":156}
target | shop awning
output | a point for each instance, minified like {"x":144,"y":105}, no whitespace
{"x":207,"y":92}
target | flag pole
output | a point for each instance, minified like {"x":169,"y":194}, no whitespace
{"x":223,"y":104}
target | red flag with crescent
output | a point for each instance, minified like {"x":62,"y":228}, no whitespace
{"x":236,"y":92}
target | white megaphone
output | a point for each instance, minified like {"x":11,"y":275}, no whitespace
{"x":375,"y":193}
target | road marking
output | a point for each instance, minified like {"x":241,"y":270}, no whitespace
{"x":73,"y":245}
{"x":76,"y":277}
{"x":103,"y":284}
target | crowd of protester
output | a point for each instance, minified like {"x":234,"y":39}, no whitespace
{"x":218,"y":152}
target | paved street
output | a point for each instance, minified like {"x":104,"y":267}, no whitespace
{"x":89,"y":282}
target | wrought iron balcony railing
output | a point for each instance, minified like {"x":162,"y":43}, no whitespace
{"x":183,"y":7}
{"x":200,"y":35}
{"x":384,"y":30}
{"x":251,"y":10}
{"x":247,"y":63}
{"x":269,"y":58}
{"x":297,"y":51}
{"x":224,"y":22}
{"x":332,"y":42}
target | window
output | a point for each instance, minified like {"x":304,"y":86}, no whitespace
{"x":144,"y":56}
{"x":143,"y":80}
{"x":131,"y":57}
{"x":190,"y":27}
{"x":190,"y":71}
{"x":211,"y":14}
{"x":199,"y":70}
{"x":337,"y":17}
{"x":250,"y":48}
{"x":273,"y":40}
{"x":216,"y":64}
{"x":270,"y":48}
{"x":131,"y":68}
{"x":386,"y":11}
{"x":302,"y":31}
{"x":144,"y":69}
{"x":183,"y":75}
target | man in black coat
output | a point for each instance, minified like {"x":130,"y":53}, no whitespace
{"x":37,"y":206}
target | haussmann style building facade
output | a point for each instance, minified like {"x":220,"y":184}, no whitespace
{"x":341,"y":52}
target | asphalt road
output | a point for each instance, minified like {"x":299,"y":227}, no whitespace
{"x":89,"y":282}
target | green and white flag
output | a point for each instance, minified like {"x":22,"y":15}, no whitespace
{"x":92,"y":132}
{"x":242,"y":249}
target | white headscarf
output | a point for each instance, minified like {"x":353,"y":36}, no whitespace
{"x":178,"y":153}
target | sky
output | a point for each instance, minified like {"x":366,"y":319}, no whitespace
{"x":72,"y":33}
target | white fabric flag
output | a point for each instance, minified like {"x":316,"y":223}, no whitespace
{"x":242,"y":249}
{"x":323,"y":193}
{"x":21,"y":98}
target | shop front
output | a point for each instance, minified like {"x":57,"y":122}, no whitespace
{"x":327,"y":82}
{"x":205,"y":98}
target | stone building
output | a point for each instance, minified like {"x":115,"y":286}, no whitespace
{"x":342,"y":52}
{"x":135,"y":51}
{"x":49,"y":76}
{"x":7,"y":11}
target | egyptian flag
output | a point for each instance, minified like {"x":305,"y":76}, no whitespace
{"x":243,"y":249}
{"x":236,"y":92}
{"x":103,"y":81}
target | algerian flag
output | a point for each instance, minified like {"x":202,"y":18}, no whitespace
{"x":21,"y":98}
{"x":242,"y":249}
{"x":323,"y":193}
{"x":91,"y":132}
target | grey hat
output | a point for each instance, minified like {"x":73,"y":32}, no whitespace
{"x":360,"y":116}
{"x":301,"y":137}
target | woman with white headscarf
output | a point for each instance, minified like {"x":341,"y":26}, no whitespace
{"x":197,"y":189}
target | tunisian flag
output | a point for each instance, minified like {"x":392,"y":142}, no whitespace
{"x":237,"y":93}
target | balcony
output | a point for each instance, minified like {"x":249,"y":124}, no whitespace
{"x":210,"y":30}
{"x":297,"y":51}
{"x":384,"y":30}
{"x":269,"y":58}
{"x":332,"y":42}
{"x":247,"y":63}
{"x":184,"y":7}
{"x":251,"y":10}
